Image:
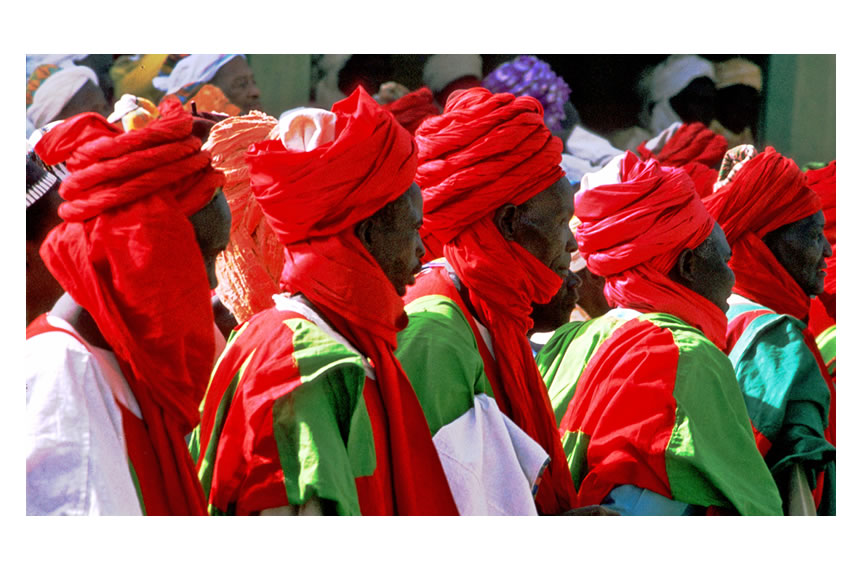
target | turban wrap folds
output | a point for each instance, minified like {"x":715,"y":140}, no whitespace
{"x":128,"y":255}
{"x":251,"y":265}
{"x":486,"y":150}
{"x":762,"y":192}
{"x":411,"y":109}
{"x":691,"y":147}
{"x":635,"y":223}
{"x":312,"y":200}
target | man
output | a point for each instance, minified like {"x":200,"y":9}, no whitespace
{"x":43,"y":199}
{"x":117,"y":369}
{"x":775,"y":225}
{"x":691,"y":147}
{"x":497,"y":206}
{"x":652,"y":420}
{"x":221,"y":83}
{"x":308,"y":411}
{"x":66,"y":93}
{"x":681,"y":88}
{"x":738,"y":103}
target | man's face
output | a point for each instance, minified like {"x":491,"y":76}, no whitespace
{"x":543,"y":226}
{"x":395,"y":243}
{"x":236,"y":81}
{"x":801,"y":248}
{"x":212,"y":228}
{"x":697,"y":102}
{"x":714,"y":279}
{"x":88,"y":99}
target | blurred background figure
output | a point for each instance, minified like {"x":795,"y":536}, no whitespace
{"x":446,"y":73}
{"x":739,"y":86}
{"x":55,"y":93}
{"x":222,"y":83}
{"x":337,"y":75}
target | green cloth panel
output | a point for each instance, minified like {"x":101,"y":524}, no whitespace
{"x":439,"y":354}
{"x":323,"y":431}
{"x":724,"y":449}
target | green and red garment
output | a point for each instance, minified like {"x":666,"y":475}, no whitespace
{"x":636,"y":397}
{"x":292,"y":414}
{"x":788,"y":395}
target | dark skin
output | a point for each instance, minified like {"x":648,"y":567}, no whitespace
{"x":42,"y":289}
{"x":802,"y":248}
{"x":738,"y":107}
{"x":236,"y":81}
{"x":89,"y":98}
{"x":705,"y":269}
{"x":697,"y":102}
{"x":547,"y":317}
{"x":591,"y":296}
{"x":391,"y":236}
{"x":212,"y":230}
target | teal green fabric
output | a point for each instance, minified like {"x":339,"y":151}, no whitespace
{"x":439,"y":353}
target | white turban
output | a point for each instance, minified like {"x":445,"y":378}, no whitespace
{"x":666,"y":80}
{"x":56,"y":91}
{"x":442,"y":69}
{"x":738,"y":71}
{"x":195,"y":68}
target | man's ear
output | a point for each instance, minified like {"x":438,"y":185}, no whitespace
{"x":685,"y":267}
{"x":365,"y":230}
{"x":505,"y":219}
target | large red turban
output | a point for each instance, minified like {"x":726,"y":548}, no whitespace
{"x":128,"y":255}
{"x":250,"y":267}
{"x":691,"y":147}
{"x":766,"y":192}
{"x":313,"y":199}
{"x":633,"y":230}
{"x":486,"y":150}
{"x":411,"y":109}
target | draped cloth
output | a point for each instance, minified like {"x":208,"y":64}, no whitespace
{"x":767,"y":192}
{"x":411,"y":109}
{"x":637,"y":217}
{"x":691,"y":147}
{"x":128,"y":255}
{"x":250,"y":267}
{"x":312,"y":200}
{"x":486,"y":150}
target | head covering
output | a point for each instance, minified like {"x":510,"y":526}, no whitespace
{"x":192,"y":72}
{"x":637,"y":217}
{"x":738,"y":71}
{"x":133,"y":112}
{"x":666,"y":80}
{"x":326,"y":172}
{"x":758,"y":193}
{"x":411,"y":109}
{"x":691,"y":147}
{"x":442,"y":69}
{"x":577,"y":262}
{"x":528,"y":75}
{"x":128,"y":255}
{"x":486,"y":150}
{"x":56,"y":91}
{"x":586,"y":153}
{"x":249,"y":268}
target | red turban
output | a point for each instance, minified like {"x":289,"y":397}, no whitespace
{"x":767,"y":192}
{"x":486,"y":150}
{"x":823,"y":182}
{"x":313,"y":199}
{"x":128,"y":255}
{"x":411,"y":109}
{"x":633,"y":231}
{"x":693,"y":148}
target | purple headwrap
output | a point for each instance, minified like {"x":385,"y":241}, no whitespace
{"x":528,"y":75}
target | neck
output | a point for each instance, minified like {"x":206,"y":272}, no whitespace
{"x":81,"y":320}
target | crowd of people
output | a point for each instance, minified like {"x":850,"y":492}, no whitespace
{"x":450,"y":299}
